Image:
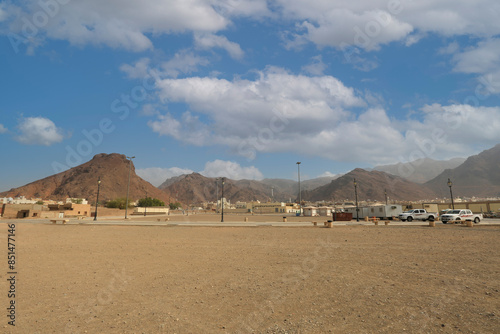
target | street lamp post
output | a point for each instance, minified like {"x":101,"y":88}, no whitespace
{"x":300,"y":193}
{"x":128,"y":183}
{"x":145,"y":204}
{"x":451,"y":194}
{"x":217,"y":201}
{"x":97,"y":199}
{"x":356,"y":195}
{"x":385,"y":193}
{"x":222,"y":200}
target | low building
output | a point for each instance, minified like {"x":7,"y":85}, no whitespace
{"x":71,"y":209}
{"x":151,"y":210}
{"x":325,"y":211}
{"x":77,"y":200}
{"x":13,"y":211}
{"x":269,"y":207}
{"x":310,"y":211}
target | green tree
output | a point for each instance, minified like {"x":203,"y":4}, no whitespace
{"x":118,"y":203}
{"x":148,"y":202}
{"x":174,"y":206}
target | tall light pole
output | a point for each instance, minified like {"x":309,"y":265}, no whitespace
{"x":145,"y":204}
{"x":385,"y":193}
{"x":97,"y":199}
{"x":128,"y":183}
{"x":222,"y":200}
{"x":356,"y":194}
{"x":217,"y":201}
{"x":300,"y":194}
{"x":451,"y":194}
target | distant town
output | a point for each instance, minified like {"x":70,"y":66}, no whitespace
{"x":22,"y":207}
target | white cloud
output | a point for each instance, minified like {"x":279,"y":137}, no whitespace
{"x":316,"y":67}
{"x":328,"y":174}
{"x":255,"y":8}
{"x":183,"y":62}
{"x":139,"y":69}
{"x":188,"y":129}
{"x":440,"y":133}
{"x":209,"y":41}
{"x":217,"y":168}
{"x":245,"y":114}
{"x":231,"y":170}
{"x":481,"y":59}
{"x":149,"y":110}
{"x":125,"y":23}
{"x":316,"y":116}
{"x":451,"y":48}
{"x":484,"y":59}
{"x":3,"y":129}
{"x":39,"y":131}
{"x":368,"y":24}
{"x":156,"y":176}
{"x":368,"y":29}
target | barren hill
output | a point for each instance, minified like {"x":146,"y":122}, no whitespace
{"x":81,"y":182}
{"x":478,"y":176}
{"x":196,"y":188}
{"x":371,"y":186}
{"x":421,"y":170}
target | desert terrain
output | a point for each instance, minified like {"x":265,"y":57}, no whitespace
{"x":90,"y":278}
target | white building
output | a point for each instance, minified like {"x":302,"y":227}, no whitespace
{"x":310,"y":211}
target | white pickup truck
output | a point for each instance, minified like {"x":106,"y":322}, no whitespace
{"x":417,"y":214}
{"x":461,"y":214}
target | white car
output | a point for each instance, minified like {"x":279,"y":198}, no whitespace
{"x":462,"y":214}
{"x":417,"y":214}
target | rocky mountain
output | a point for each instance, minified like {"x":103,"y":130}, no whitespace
{"x":81,"y":182}
{"x":196,"y":188}
{"x":421,"y":170}
{"x":371,"y":185}
{"x":478,"y":176}
{"x":284,"y":190}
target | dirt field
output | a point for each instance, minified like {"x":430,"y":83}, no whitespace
{"x":153,"y":279}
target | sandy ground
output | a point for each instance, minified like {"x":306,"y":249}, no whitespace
{"x":159,"y":279}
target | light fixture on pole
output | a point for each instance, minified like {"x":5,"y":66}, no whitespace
{"x":451,"y":194}
{"x":128,"y":183}
{"x":356,"y":194}
{"x":97,"y":199}
{"x":300,"y":193}
{"x":222,"y":200}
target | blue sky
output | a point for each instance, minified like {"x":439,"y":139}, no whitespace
{"x":245,"y":88}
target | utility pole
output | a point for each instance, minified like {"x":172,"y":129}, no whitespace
{"x":451,"y":194}
{"x":217,"y":201}
{"x":300,"y":193}
{"x":128,"y":183}
{"x":97,"y":200}
{"x":222,"y":200}
{"x":356,"y":194}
